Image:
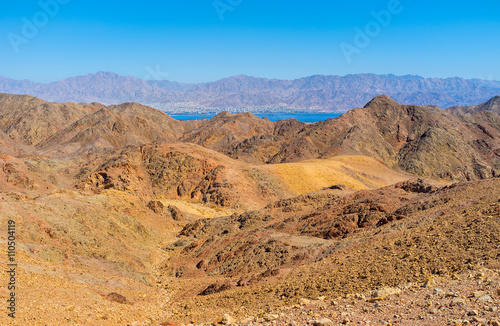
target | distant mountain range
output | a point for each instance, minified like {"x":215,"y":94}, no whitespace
{"x":245,"y":93}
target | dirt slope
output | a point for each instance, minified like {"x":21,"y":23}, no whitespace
{"x":492,"y":105}
{"x":115,"y":127}
{"x":424,"y":141}
{"x":127,"y":216}
{"x":387,"y":237}
{"x":30,"y":120}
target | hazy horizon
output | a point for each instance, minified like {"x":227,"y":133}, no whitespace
{"x":50,"y":40}
{"x":251,"y":76}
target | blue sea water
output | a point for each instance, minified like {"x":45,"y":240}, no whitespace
{"x":303,"y":117}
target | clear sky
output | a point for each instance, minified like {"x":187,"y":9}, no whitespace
{"x":204,"y":40}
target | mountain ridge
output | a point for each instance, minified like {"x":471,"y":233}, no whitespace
{"x":491,"y":105}
{"x":191,"y":220}
{"x":321,"y":93}
{"x":420,"y":140}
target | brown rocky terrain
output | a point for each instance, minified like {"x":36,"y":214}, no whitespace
{"x":9,"y":146}
{"x":424,"y":141}
{"x":31,"y":120}
{"x":492,"y":105}
{"x":184,"y":171}
{"x":115,"y":127}
{"x":443,"y":231}
{"x":126,"y":216}
{"x":227,"y":130}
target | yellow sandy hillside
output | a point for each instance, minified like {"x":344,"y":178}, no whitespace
{"x":353,"y":171}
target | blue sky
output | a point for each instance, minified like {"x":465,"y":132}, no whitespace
{"x":204,"y":40}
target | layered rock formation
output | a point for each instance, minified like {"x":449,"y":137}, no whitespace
{"x":124,"y":211}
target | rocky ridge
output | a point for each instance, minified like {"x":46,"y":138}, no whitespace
{"x":317,"y":93}
{"x":127,"y":216}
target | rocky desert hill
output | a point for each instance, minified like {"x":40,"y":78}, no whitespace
{"x":420,"y":140}
{"x":129,"y":217}
{"x":31,"y":120}
{"x":116,"y":127}
{"x":9,"y":146}
{"x":226,"y":130}
{"x":492,"y":105}
{"x":345,"y":244}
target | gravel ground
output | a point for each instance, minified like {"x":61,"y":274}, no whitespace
{"x":471,"y":298}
